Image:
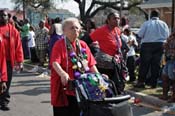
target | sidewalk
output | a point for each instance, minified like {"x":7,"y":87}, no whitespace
{"x":144,"y":98}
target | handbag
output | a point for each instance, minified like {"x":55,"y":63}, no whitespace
{"x":104,"y":60}
{"x":94,"y":87}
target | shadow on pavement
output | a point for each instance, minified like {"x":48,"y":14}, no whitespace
{"x":34,"y":92}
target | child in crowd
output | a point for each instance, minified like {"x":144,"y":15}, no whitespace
{"x":131,"y":41}
{"x":168,"y":73}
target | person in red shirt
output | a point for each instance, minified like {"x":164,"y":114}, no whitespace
{"x":109,"y":57}
{"x":63,"y":100}
{"x":13,"y":54}
{"x":108,"y":37}
{"x":3,"y":69}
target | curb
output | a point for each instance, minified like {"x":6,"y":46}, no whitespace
{"x":148,"y":99}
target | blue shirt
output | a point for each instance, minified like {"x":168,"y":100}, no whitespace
{"x":153,"y":30}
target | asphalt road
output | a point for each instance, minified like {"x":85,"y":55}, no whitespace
{"x":30,"y":96}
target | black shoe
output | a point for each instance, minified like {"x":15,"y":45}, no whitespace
{"x":5,"y":108}
{"x":139,"y":85}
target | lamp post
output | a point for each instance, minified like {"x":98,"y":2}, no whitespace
{"x":121,"y":7}
{"x":24,"y":12}
{"x":172,"y":16}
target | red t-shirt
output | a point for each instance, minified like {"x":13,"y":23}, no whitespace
{"x":107,"y":39}
{"x":59,"y":54}
{"x":5,"y":32}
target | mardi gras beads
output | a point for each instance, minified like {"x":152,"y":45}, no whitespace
{"x":83,"y":51}
{"x":77,"y":74}
{"x":73,"y":57}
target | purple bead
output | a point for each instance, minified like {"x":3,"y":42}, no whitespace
{"x":83,"y":50}
{"x":87,"y":69}
{"x":72,"y":54}
{"x":77,"y":74}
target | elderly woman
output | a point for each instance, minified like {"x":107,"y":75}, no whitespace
{"x":65,"y":64}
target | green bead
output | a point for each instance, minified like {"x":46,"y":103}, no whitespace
{"x":85,"y":56}
{"x":74,"y":60}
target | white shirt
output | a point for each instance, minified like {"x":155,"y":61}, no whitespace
{"x":31,"y":42}
{"x":131,"y":51}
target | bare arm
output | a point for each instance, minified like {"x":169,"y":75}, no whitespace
{"x":64,"y":75}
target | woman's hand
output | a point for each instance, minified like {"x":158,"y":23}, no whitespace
{"x":64,"y":78}
{"x":105,"y":76}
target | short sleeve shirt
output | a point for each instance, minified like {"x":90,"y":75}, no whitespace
{"x":109,"y":41}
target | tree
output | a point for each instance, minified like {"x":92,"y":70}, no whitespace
{"x":20,"y":4}
{"x":97,"y":5}
{"x":87,"y":8}
{"x":37,"y":4}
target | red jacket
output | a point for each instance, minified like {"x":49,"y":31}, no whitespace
{"x":3,"y":68}
{"x":16,"y":51}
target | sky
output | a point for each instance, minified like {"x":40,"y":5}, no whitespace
{"x":70,"y":5}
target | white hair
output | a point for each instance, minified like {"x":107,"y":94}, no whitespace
{"x":69,"y":20}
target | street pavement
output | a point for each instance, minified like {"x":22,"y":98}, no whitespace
{"x":30,"y":96}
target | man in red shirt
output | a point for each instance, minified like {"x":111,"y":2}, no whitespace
{"x":13,"y":53}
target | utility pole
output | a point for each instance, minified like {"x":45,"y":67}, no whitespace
{"x":121,"y":7}
{"x":172,"y":16}
{"x":24,"y":9}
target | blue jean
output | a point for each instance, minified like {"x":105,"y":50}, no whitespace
{"x":169,"y":69}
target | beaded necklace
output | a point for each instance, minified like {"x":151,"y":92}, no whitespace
{"x":78,"y":58}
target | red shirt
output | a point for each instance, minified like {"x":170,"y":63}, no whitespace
{"x":12,"y":43}
{"x":107,"y":39}
{"x":3,"y":67}
{"x":59,"y":54}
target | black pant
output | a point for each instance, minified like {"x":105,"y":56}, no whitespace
{"x":131,"y":67}
{"x":5,"y":97}
{"x":71,"y":110}
{"x":33,"y":55}
{"x":150,"y":55}
{"x":25,"y":47}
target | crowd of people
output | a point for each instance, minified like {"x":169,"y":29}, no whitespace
{"x":108,"y":49}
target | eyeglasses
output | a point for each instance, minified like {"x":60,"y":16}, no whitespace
{"x":74,"y":27}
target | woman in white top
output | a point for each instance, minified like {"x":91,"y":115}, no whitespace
{"x":31,"y":45}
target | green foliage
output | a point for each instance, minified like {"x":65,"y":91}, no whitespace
{"x":19,"y":4}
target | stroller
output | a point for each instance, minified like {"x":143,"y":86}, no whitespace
{"x":97,"y":96}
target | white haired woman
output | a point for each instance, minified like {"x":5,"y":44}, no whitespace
{"x":69,"y":57}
